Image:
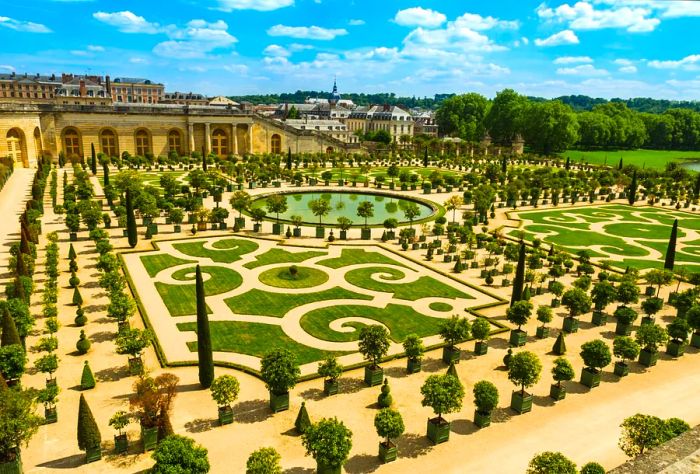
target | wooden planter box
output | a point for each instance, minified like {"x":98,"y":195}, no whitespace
{"x":695,"y":340}
{"x":240,"y":222}
{"x":482,"y":419}
{"x":330,"y":387}
{"x":621,"y":369}
{"x":320,"y":232}
{"x":12,"y":467}
{"x":599,"y":318}
{"x":296,"y":232}
{"x":623,"y":329}
{"x":121,"y":444}
{"x":257,"y":227}
{"x":647,"y":320}
{"x":50,"y":415}
{"x":542,"y":332}
{"x":451,"y":354}
{"x":177,"y":228}
{"x":517,"y":338}
{"x":323,"y":469}
{"x":135,"y":366}
{"x":557,"y":392}
{"x":374,"y":375}
{"x":648,"y":358}
{"x":279,"y":401}
{"x":225,"y":415}
{"x":93,"y":454}
{"x":675,"y":348}
{"x":366,"y":234}
{"x":481,"y":347}
{"x":277,"y":229}
{"x":589,"y":378}
{"x":73,"y":236}
{"x":556,"y":302}
{"x":149,"y":438}
{"x":570,"y":325}
{"x":387,"y":452}
{"x":521,"y":403}
{"x":438,"y":430}
{"x":413,"y":366}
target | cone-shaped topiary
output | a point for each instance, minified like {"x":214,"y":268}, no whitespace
{"x":130,"y":221}
{"x":73,"y":281}
{"x":204,"y":351}
{"x":559,"y":347}
{"x":671,"y":249}
{"x":303,"y":421}
{"x":507,"y":358}
{"x":452,"y":370}
{"x":519,"y":280}
{"x":83,"y":344}
{"x":80,"y":318}
{"x":88,"y":431}
{"x":632,"y":197}
{"x":71,"y":253}
{"x":21,"y":268}
{"x":77,"y":297}
{"x":385,"y":399}
{"x":9,"y":330}
{"x":87,"y":380}
{"x":73,"y":266}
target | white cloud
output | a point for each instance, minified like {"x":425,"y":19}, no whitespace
{"x":678,"y":9}
{"x":557,"y":39}
{"x":24,"y":26}
{"x":418,"y":16}
{"x":276,"y":50}
{"x":259,"y":5}
{"x":481,"y":23}
{"x":95,"y":48}
{"x":628,"y":69}
{"x":138,"y":61}
{"x":356,"y":22}
{"x":307,"y":32}
{"x":584,"y":16}
{"x":586,"y":70}
{"x":525,"y":40}
{"x":296,"y":47}
{"x":7,"y":67}
{"x":688,"y":63}
{"x":573,"y":60}
{"x":197,"y":39}
{"x":240,"y":69}
{"x":127,"y":22}
{"x":626,"y":66}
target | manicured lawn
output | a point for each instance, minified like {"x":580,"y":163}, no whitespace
{"x":263,"y":303}
{"x":273,"y":256}
{"x":254,"y":339}
{"x":181,"y":299}
{"x":227,"y":250}
{"x":401,"y":321}
{"x":423,"y":287}
{"x":357,"y":256}
{"x":656,"y":159}
{"x":440,"y":306}
{"x":306,"y":277}
{"x":158,"y":262}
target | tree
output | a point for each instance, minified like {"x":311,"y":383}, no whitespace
{"x":640,"y":433}
{"x":671,"y":249}
{"x":374,"y":343}
{"x":93,"y":159}
{"x":519,"y":313}
{"x":411,"y":211}
{"x":678,"y":330}
{"x":632,"y":190}
{"x":279,"y":370}
{"x":576,"y":301}
{"x":463,"y":116}
{"x":328,"y":441}
{"x":549,"y":127}
{"x":240,"y":201}
{"x":9,"y":330}
{"x":365,"y":210}
{"x":651,"y":336}
{"x":130,"y":221}
{"x":330,"y":369}
{"x":13,"y":361}
{"x":595,"y":355}
{"x":559,"y":347}
{"x":47,"y":364}
{"x":264,"y":461}
{"x":481,"y":329}
{"x":18,"y":422}
{"x":454,"y":330}
{"x":153,"y":398}
{"x":592,"y":468}
{"x":519,"y":277}
{"x":627,"y":292}
{"x":180,"y":455}
{"x":485,"y":396}
{"x":544,"y":315}
{"x":562,"y":371}
{"x":524,"y":370}
{"x":276,"y":204}
{"x":87,"y":379}
{"x":442,"y":393}
{"x":603,"y":294}
{"x":625,"y":348}
{"x":89,"y":436}
{"x":320,"y":208}
{"x":452,"y":204}
{"x":224,"y":390}
{"x":389,"y":424}
{"x":302,"y":422}
{"x":204,"y":349}
{"x":550,"y":462}
{"x":504,"y":118}
{"x":133,"y":341}
{"x":658,"y":278}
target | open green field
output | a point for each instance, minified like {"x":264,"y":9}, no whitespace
{"x":621,"y":235}
{"x":655,"y":159}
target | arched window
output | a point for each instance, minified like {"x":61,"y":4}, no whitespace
{"x":143,"y":142}
{"x":14,"y":145}
{"x":108,"y":141}
{"x":276,"y":144}
{"x":175,"y":141}
{"x":329,"y":150}
{"x":219,"y":142}
{"x":71,"y":142}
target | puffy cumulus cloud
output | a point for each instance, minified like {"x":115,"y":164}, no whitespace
{"x":307,"y":32}
{"x":481,"y":23}
{"x":626,"y":66}
{"x":558,"y":39}
{"x":276,"y":50}
{"x":196,"y":40}
{"x":7,"y":67}
{"x":95,"y":48}
{"x":573,"y":60}
{"x":585,"y":16}
{"x":688,"y":63}
{"x":418,"y":16}
{"x":259,"y":5}
{"x":584,"y":70}
{"x":127,"y":22}
{"x":356,"y":22}
{"x":24,"y":26}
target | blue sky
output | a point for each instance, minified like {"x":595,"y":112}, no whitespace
{"x":603,"y":48}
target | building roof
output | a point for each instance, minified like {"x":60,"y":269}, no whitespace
{"x":135,"y":80}
{"x":221,"y":100}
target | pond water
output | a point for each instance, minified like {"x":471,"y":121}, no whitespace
{"x":691,"y":165}
{"x":345,"y":205}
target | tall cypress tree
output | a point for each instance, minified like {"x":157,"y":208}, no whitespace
{"x":206,"y":358}
{"x":289,"y":158}
{"x":93,"y":159}
{"x":519,"y":277}
{"x":504,"y":165}
{"x":619,"y":166}
{"x":9,"y":330}
{"x":425,"y":157}
{"x":633,"y":189}
{"x":130,"y":221}
{"x":204,"y":159}
{"x":671,"y":249}
{"x":21,"y":268}
{"x":696,"y":188}
{"x":88,"y":432}
{"x":105,"y":172}
{"x":568,"y":163}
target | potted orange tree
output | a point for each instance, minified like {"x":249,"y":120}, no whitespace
{"x":562,"y":371}
{"x":453,"y":331}
{"x":595,"y":355}
{"x":524,"y":369}
{"x":414,"y":349}
{"x":280,"y":372}
{"x":373,"y":345}
{"x":224,"y":390}
{"x":330,"y":370}
{"x":485,"y":400}
{"x":625,"y":348}
{"x":389,"y":424}
{"x":444,"y":394}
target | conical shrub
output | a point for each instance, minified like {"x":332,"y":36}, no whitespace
{"x":303,"y":421}
{"x":9,"y":330}
{"x":87,"y":380}
{"x":88,"y":432}
{"x":559,"y":345}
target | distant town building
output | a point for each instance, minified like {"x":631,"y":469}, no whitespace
{"x":333,"y":128}
{"x":82,"y":90}
{"x":424,"y":124}
{"x":391,"y":118}
{"x":222,"y":101}
{"x":184,"y":98}
{"x":135,"y":90}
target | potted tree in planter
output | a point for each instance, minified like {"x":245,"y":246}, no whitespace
{"x":658,"y":278}
{"x":627,"y":292}
{"x":557,"y":289}
{"x":151,"y":401}
{"x":603,"y":294}
{"x":119,"y":421}
{"x":320,"y":208}
{"x":453,"y":331}
{"x":518,"y":314}
{"x":524,"y":369}
{"x":650,"y":337}
{"x":389,"y":424}
{"x":562,"y":371}
{"x":276,"y":204}
{"x":224,"y":391}
{"x":651,"y":306}
{"x":264,"y":461}
{"x":176,"y":215}
{"x":625,"y":316}
{"x":330,"y":370}
{"x":49,"y":397}
{"x":373,"y":345}
{"x":89,"y":438}
{"x":366,"y":210}
{"x":296,"y":220}
{"x":258,"y":215}
{"x":678,"y":332}
{"x":47,"y":364}
{"x":595,"y":355}
{"x":481,"y":331}
{"x":329,"y":442}
{"x":344,"y":225}
{"x":544,"y":315}
{"x":133,"y":341}
{"x":240,"y":201}
{"x":180,"y":454}
{"x":390,"y":224}
{"x":693,"y":318}
{"x":280,"y":372}
{"x":414,"y":349}
{"x":444,"y":394}
{"x":577,"y":302}
{"x":485,"y":400}
{"x":625,"y":348}
{"x":18,"y":424}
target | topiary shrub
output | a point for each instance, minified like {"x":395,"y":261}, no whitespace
{"x":87,"y":379}
{"x":264,"y":461}
{"x":83,"y":344}
{"x":302,"y":423}
{"x":80,"y":318}
{"x":88,"y":432}
{"x":385,"y":399}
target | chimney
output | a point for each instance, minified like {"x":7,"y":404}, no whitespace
{"x":386,"y":107}
{"x":108,"y":86}
{"x":83,"y":91}
{"x":53,"y":77}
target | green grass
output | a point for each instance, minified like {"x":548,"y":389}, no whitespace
{"x":181,"y":299}
{"x":273,"y":256}
{"x":656,"y":159}
{"x":423,"y":287}
{"x":263,"y":303}
{"x":227,"y":250}
{"x":158,"y":262}
{"x":440,"y":306}
{"x":306,"y":277}
{"x":254,"y":339}
{"x":401,"y":321}
{"x":357,"y":256}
